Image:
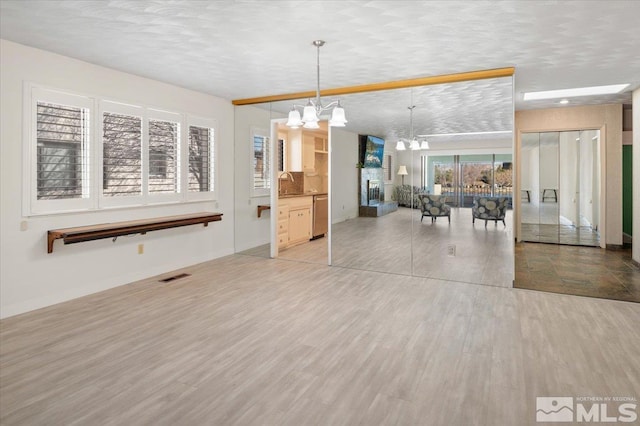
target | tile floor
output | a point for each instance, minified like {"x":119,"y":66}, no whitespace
{"x":581,"y":271}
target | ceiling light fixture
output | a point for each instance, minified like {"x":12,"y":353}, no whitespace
{"x":579,"y":91}
{"x":312,"y":111}
{"x":414,"y":143}
{"x":564,"y":102}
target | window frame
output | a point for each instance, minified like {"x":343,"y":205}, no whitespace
{"x":159,"y":115}
{"x":130,"y":110}
{"x":93,"y":153}
{"x":212,"y":194}
{"x":31,"y":205}
{"x":259,"y":192}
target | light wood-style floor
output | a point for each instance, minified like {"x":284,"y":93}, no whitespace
{"x":252,"y":341}
{"x":400,"y":243}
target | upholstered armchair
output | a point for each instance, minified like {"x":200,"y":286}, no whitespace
{"x":434,"y":206}
{"x":490,"y":208}
{"x":407,"y":195}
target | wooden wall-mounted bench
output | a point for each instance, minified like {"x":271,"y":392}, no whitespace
{"x":112,"y":230}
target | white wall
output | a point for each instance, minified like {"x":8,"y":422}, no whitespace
{"x":250,"y":231}
{"x":31,"y":278}
{"x":344,"y":175}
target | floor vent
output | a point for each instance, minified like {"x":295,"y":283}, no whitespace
{"x":175,"y":277}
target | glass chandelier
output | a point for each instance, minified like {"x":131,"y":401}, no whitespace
{"x":312,"y":111}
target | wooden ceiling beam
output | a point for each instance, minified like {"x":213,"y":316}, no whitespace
{"x":387,"y":85}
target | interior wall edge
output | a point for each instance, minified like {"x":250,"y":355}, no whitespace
{"x":635,"y":248}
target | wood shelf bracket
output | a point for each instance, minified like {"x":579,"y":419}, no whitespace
{"x":262,"y":208}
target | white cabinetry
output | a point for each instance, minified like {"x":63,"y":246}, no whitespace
{"x":283,"y":225}
{"x":308,"y":153}
{"x":299,"y":225}
{"x":295,"y":223}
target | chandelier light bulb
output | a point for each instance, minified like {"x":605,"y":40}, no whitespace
{"x":294,"y":119}
{"x":338,"y":118}
{"x":309,"y":115}
{"x":313,"y":110}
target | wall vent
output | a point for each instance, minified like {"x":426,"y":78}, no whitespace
{"x":173,"y":278}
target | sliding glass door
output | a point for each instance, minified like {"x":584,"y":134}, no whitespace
{"x":463,"y":177}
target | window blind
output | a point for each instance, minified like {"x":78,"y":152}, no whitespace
{"x":122,"y":149}
{"x":201,"y":144}
{"x":261,"y":166}
{"x":62,"y":145}
{"x":163,"y":156}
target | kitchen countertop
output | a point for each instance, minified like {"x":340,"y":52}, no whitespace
{"x":306,"y":194}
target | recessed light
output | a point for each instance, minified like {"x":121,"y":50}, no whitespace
{"x":564,"y":101}
{"x":579,"y":91}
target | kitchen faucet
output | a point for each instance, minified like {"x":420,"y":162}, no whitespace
{"x":289,"y":175}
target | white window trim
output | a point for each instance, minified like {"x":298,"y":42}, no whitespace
{"x":31,"y":206}
{"x":258,"y":192}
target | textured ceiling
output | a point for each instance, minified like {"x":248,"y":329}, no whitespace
{"x":239,"y":49}
{"x":477,"y":106}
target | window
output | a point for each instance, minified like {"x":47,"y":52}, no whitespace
{"x":261,"y":182}
{"x":121,"y":155}
{"x":57,"y":151}
{"x":201,"y":156}
{"x":282,"y":154}
{"x":62,"y":141}
{"x":164,"y":151}
{"x":137,"y":152}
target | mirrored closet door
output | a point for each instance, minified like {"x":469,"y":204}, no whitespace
{"x":560,"y":200}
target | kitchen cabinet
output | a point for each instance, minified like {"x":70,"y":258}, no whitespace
{"x":308,"y":153}
{"x":299,"y":225}
{"x":283,"y":225}
{"x":295,"y":220}
{"x":314,"y":151}
{"x":302,"y":149}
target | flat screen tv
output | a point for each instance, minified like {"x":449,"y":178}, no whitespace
{"x":371,"y":151}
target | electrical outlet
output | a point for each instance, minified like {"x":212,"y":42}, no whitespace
{"x":24,"y":225}
{"x":451,"y":250}
{"x":140,"y":248}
